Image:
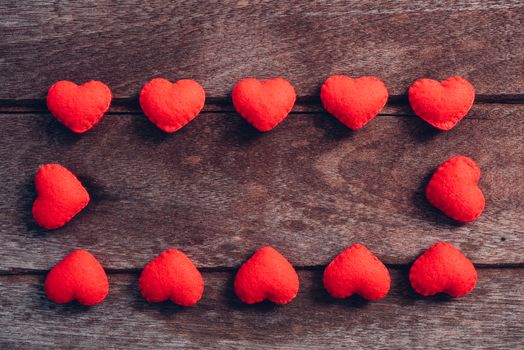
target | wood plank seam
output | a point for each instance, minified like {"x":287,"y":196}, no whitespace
{"x":391,"y":109}
{"x":112,"y":271}
{"x":301,"y":99}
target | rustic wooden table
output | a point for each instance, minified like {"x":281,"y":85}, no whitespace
{"x":218,"y":190}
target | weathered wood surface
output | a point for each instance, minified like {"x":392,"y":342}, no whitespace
{"x":219,"y":190}
{"x":490,"y":317}
{"x":128,"y":42}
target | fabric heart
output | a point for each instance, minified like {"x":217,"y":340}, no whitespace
{"x":454,"y":190}
{"x":354,"y":102}
{"x":60,"y":196}
{"x":357,"y":271}
{"x":79,"y":276}
{"x":264,"y":103}
{"x":78,"y":107}
{"x":444,"y":104}
{"x":171,"y":275}
{"x":443,"y":269}
{"x":266,"y":275}
{"x":170,"y":106}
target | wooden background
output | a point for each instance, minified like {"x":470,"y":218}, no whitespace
{"x":219,"y":190}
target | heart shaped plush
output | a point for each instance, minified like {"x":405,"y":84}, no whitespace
{"x":171,"y":275}
{"x":78,"y":107}
{"x":266,"y":275}
{"x":170,"y":106}
{"x":79,"y":276}
{"x":443,"y":269}
{"x":60,"y":196}
{"x":264,"y":103}
{"x":454,"y":190}
{"x":353,"y":101}
{"x":357,"y":271}
{"x":444,"y":104}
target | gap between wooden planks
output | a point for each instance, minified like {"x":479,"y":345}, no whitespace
{"x":234,"y":269}
{"x":397,"y":105}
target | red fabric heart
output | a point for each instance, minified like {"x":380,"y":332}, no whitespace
{"x":79,"y":276}
{"x":170,"y":106}
{"x":264,"y":103}
{"x":171,"y":275}
{"x":444,"y":104}
{"x":454,"y":190}
{"x":443,"y":269}
{"x":357,"y":271}
{"x":353,"y":101}
{"x":60,"y":196}
{"x":266,"y":275}
{"x":78,"y":107}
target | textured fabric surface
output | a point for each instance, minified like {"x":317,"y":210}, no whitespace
{"x":60,"y":196}
{"x":79,"y":107}
{"x":170,"y":106}
{"x":79,"y":276}
{"x":454,"y":190}
{"x":357,"y":271}
{"x":443,"y":269}
{"x":263,"y":103}
{"x":266,"y":275}
{"x":171,"y":275}
{"x":444,"y":104}
{"x":354,"y":102}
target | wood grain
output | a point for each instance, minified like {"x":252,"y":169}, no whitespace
{"x":219,"y":190}
{"x":128,"y":42}
{"x":489,"y":317}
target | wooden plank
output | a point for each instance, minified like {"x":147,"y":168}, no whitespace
{"x":490,"y":317}
{"x":129,"y":42}
{"x":219,"y":190}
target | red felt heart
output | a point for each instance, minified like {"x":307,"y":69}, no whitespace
{"x":266,"y":275}
{"x":263,"y":103}
{"x":357,"y":271}
{"x":444,"y":104}
{"x":454,"y":190}
{"x":171,"y":275}
{"x":79,"y":276}
{"x":443,"y":269}
{"x":78,"y":107}
{"x":60,"y":196}
{"x":353,"y":101}
{"x":170,"y":106}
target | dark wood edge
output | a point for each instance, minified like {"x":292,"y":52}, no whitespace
{"x":225,"y":269}
{"x":304,"y":104}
